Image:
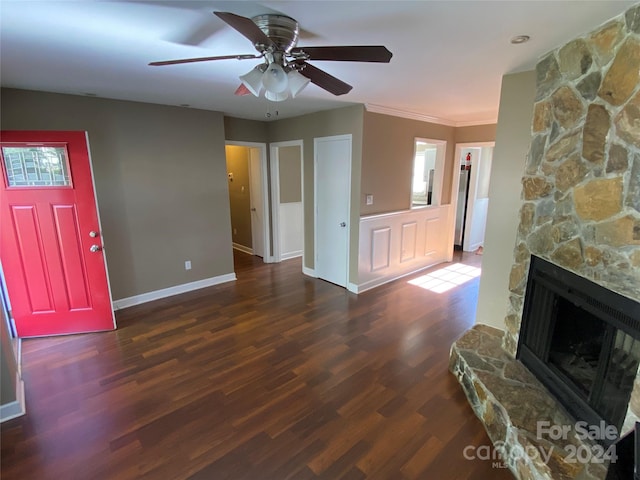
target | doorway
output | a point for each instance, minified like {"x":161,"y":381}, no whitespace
{"x":470,"y":189}
{"x":287,"y":193}
{"x":248,"y":198}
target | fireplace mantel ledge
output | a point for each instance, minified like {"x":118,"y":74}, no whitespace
{"x":510,"y":402}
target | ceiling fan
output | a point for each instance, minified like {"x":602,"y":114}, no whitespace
{"x":285,"y":71}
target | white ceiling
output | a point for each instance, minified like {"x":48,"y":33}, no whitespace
{"x":448,"y":56}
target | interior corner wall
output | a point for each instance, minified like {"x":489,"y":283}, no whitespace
{"x":513,"y":136}
{"x":340,"y":121}
{"x":161,"y":184}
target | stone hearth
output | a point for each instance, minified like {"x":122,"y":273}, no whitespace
{"x":510,"y":402}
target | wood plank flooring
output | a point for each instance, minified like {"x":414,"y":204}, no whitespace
{"x":274,"y":376}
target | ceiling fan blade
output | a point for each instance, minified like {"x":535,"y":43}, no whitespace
{"x":204,"y":59}
{"x":324,"y":80}
{"x":365,"y":53}
{"x":246,"y":27}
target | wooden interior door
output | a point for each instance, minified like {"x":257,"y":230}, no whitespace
{"x":51,"y":245}
{"x":332,"y":207}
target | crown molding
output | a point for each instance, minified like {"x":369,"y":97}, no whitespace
{"x":373,"y":108}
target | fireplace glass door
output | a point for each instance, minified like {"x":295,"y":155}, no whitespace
{"x":576,"y":345}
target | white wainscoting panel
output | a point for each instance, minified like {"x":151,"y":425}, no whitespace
{"x":380,"y":248}
{"x":291,"y":230}
{"x":397,"y":244}
{"x":432,"y":238}
{"x":408,"y":241}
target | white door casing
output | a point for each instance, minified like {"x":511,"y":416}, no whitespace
{"x":332,"y":201}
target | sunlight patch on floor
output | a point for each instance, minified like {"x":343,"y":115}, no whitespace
{"x":446,"y":278}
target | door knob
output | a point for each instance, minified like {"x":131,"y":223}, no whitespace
{"x":342,"y":224}
{"x":93,"y":234}
{"x":95,"y":248}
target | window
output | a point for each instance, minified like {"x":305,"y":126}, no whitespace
{"x":428,"y":166}
{"x":41,"y":166}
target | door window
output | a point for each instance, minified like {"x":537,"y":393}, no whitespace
{"x":36,"y":166}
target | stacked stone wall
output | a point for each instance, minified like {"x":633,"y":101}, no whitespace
{"x":581,"y":187}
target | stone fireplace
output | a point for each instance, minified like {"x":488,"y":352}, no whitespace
{"x":581,"y":214}
{"x":582,"y":341}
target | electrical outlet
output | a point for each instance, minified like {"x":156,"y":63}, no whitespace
{"x":235,"y":231}
{"x":369,"y":199}
{"x":187,"y":265}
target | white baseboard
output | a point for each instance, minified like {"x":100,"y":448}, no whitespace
{"x":242,"y":248}
{"x":168,"y":292}
{"x":309,"y":272}
{"x":288,"y":255}
{"x":16,"y":408}
{"x":352,"y":287}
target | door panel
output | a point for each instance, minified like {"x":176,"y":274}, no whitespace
{"x":333,"y":191}
{"x":54,"y":268}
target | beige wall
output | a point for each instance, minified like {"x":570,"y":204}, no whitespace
{"x":239,"y":194}
{"x":340,"y":121}
{"x":476,"y":133}
{"x":160,"y":178}
{"x":513,"y":136}
{"x":290,"y":168}
{"x":387,"y":160}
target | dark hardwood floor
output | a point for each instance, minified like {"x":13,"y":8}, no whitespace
{"x":274,"y":376}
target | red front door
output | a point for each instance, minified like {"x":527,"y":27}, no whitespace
{"x":50,"y":241}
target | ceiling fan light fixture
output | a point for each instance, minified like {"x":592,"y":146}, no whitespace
{"x":297,"y":82}
{"x":276,"y":97}
{"x":275,"y":79}
{"x":253,"y":79}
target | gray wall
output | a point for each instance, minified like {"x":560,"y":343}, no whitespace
{"x":513,"y":136}
{"x":160,"y":178}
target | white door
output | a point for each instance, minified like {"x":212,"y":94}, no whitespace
{"x":257,"y":208}
{"x":332,"y":181}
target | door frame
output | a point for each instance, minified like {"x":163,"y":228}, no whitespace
{"x":266,"y":233}
{"x":317,"y":140}
{"x":455,"y":184}
{"x":275,"y":193}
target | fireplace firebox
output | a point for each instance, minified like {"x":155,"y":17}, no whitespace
{"x":582,"y":341}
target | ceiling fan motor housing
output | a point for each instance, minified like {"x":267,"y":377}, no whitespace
{"x":282,"y":30}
